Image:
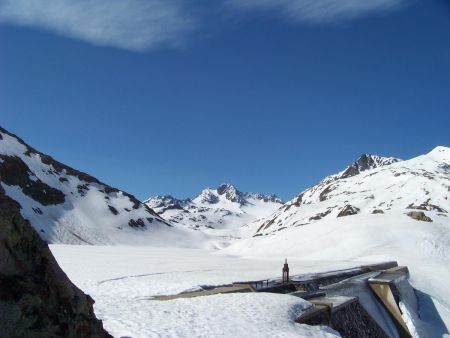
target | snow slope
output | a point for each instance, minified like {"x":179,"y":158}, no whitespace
{"x":68,"y":206}
{"x":219,"y":212}
{"x":364,"y":217}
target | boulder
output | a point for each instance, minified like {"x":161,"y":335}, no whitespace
{"x":419,"y":216}
{"x":348,"y":210}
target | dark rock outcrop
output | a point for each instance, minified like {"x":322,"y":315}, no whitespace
{"x":134,"y":223}
{"x":13,"y":171}
{"x":366,"y":162}
{"x":320,"y":215}
{"x":348,"y":210}
{"x":36,"y":297}
{"x":324,"y":194}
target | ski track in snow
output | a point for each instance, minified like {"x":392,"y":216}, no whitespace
{"x":149,"y":274}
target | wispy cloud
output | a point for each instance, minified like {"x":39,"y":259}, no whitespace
{"x":130,"y":24}
{"x":148,"y":24}
{"x":318,"y":11}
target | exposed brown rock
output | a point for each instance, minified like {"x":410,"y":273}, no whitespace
{"x":419,"y":216}
{"x":36,"y":297}
{"x":348,"y":210}
{"x":324,"y":194}
{"x":299,"y":200}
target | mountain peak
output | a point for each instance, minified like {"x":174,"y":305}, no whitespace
{"x":231,"y":193}
{"x":165,"y":201}
{"x":208,"y":195}
{"x":440,"y":153}
{"x":224,"y":187}
{"x":363,"y":163}
{"x":366,"y":162}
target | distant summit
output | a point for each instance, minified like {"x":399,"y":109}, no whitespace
{"x":222,"y":207}
{"x":229,"y":192}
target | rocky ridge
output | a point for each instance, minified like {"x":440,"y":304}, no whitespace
{"x":66,"y":205}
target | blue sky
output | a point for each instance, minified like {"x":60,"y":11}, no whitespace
{"x":169,"y":97}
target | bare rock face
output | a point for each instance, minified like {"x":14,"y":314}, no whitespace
{"x":419,"y":216}
{"x":348,"y":210}
{"x":37,"y":299}
{"x":366,"y":162}
{"x":13,"y":171}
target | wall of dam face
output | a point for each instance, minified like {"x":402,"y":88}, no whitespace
{"x":373,"y":304}
{"x":354,"y":321}
{"x":360,"y":289}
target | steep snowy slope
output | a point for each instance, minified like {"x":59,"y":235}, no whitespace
{"x":67,"y":206}
{"x":224,"y":208}
{"x":400,"y":187}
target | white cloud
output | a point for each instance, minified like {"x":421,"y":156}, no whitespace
{"x":318,"y":11}
{"x":129,"y":24}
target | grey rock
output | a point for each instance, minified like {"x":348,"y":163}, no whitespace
{"x":419,"y":216}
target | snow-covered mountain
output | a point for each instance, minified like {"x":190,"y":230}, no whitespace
{"x":223,"y":208}
{"x":68,"y":206}
{"x":371,"y":186}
